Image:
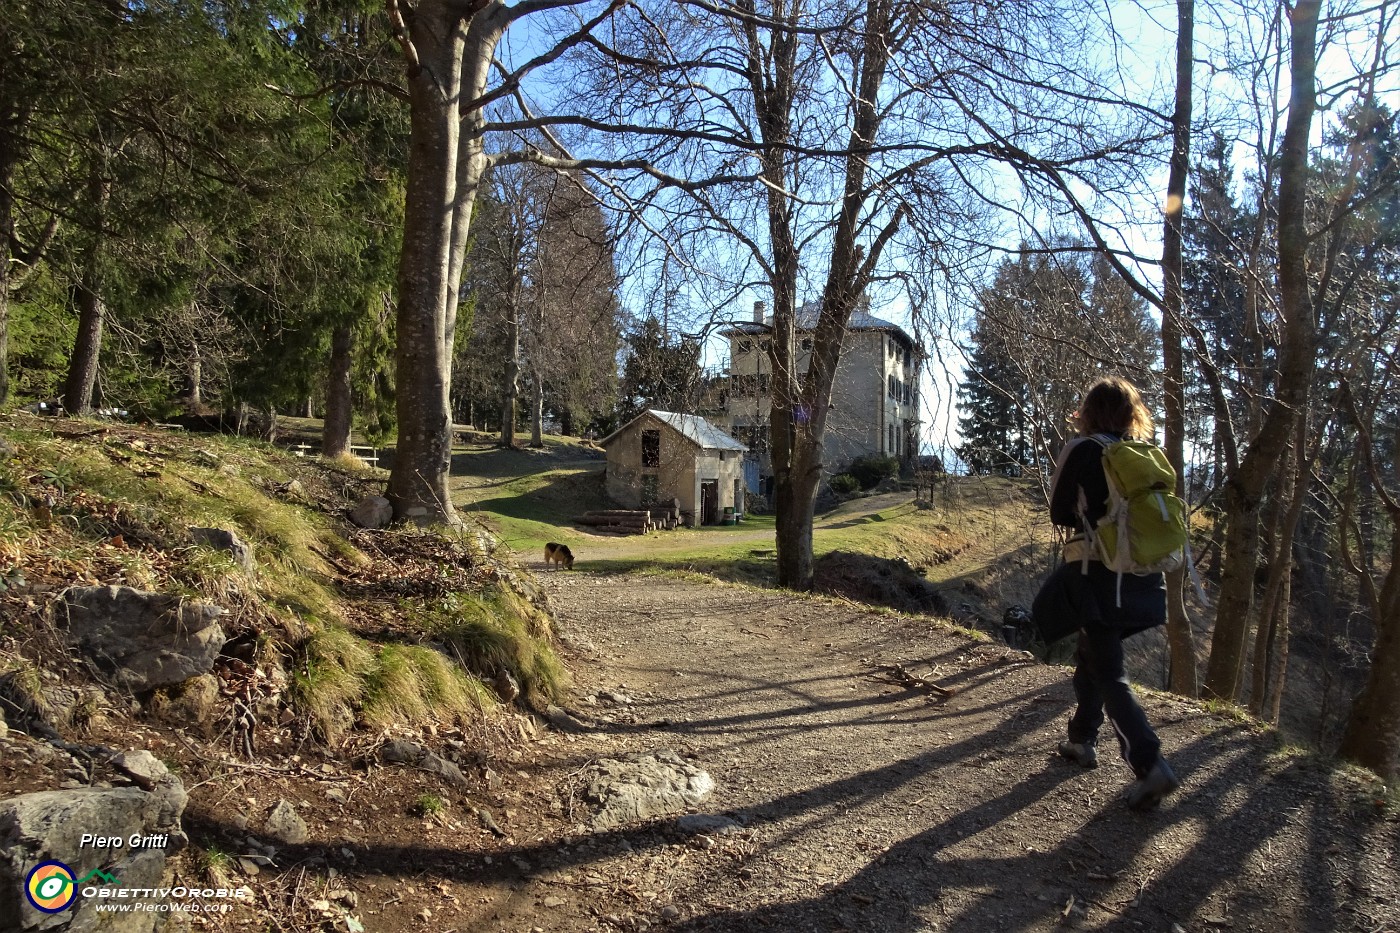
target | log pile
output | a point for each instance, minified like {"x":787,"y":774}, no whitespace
{"x":631,"y":521}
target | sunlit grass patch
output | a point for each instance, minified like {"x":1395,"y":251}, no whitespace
{"x":329,"y":680}
{"x":411,"y":685}
{"x":499,"y":632}
{"x":341,"y":678}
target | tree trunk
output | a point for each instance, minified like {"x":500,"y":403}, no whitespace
{"x":10,"y":121}
{"x":536,"y":408}
{"x":1273,"y":616}
{"x":335,"y":430}
{"x":194,"y":394}
{"x":799,"y":417}
{"x":87,"y":349}
{"x":7,"y":230}
{"x":418,"y":483}
{"x":511,"y":389}
{"x":1180,"y":640}
{"x":793,"y":500}
{"x":1372,"y":735}
{"x":1244,"y":489}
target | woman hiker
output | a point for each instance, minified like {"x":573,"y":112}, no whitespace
{"x":1103,"y":606}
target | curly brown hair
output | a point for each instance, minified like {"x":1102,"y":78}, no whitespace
{"x":1113,"y":405}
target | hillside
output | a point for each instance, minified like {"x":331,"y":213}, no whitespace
{"x":356,"y":758}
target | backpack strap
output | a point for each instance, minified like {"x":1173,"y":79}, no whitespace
{"x":1103,"y":440}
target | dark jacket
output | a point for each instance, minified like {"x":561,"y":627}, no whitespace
{"x":1069,"y":599}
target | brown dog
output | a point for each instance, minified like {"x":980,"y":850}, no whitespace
{"x":558,"y":554}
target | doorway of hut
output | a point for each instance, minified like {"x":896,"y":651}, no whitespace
{"x":709,"y":502}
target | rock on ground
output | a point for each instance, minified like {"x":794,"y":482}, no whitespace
{"x":400,"y":751}
{"x":285,"y":825}
{"x":221,"y":539}
{"x":141,"y":640}
{"x":644,"y":786}
{"x":48,"y":826}
{"x":372,"y":512}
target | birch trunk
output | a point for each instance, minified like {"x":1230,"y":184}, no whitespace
{"x":511,"y":395}
{"x":7,"y":230}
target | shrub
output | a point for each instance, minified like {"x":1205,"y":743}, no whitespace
{"x":870,"y":470}
{"x":843,"y":484}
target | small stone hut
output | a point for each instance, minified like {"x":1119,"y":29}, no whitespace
{"x":660,"y":456}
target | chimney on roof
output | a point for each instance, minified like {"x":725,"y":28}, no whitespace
{"x":760,"y":310}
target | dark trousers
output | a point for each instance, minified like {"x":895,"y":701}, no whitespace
{"x":1101,"y":687}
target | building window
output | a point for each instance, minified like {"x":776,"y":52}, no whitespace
{"x":807,"y":343}
{"x":890,"y":388}
{"x":745,"y":346}
{"x":890,"y":449}
{"x":651,"y":489}
{"x":651,"y":448}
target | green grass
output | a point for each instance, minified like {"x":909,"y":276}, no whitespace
{"x":71,"y":489}
{"x":429,"y":805}
{"x":498,"y":631}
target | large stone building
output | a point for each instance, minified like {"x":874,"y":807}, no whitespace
{"x":661,"y":456}
{"x":874,"y":399}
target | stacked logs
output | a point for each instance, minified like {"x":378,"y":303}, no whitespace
{"x":631,"y":521}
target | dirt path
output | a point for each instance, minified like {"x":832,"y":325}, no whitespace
{"x":868,"y":806}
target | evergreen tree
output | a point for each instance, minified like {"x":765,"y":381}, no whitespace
{"x":1049,"y":325}
{"x":991,"y":402}
{"x":659,"y":371}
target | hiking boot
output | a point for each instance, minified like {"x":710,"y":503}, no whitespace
{"x":1147,"y":793}
{"x":1081,"y":753}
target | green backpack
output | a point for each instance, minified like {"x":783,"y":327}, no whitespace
{"x":1145,"y":527}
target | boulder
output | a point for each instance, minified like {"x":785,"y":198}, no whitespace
{"x":643,"y":786}
{"x":372,"y":512}
{"x":221,"y":539}
{"x":49,"y":827}
{"x":140,"y":640}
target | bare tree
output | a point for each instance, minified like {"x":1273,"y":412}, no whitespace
{"x":838,"y":147}
{"x":449,"y":48}
{"x":1184,"y":678}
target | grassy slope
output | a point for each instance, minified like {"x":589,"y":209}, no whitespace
{"x":400,"y":628}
